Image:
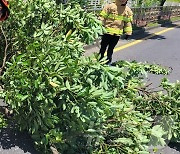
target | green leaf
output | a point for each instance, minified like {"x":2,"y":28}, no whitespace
{"x":157,"y":131}
{"x":92,"y":103}
{"x":89,"y":81}
{"x":67,"y":84}
{"x":110,"y":76}
{"x":126,"y":141}
{"x":91,"y":130}
{"x":64,"y":106}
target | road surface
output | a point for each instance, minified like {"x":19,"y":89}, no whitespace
{"x":163,"y":49}
{"x":160,"y":46}
{"x":156,"y":46}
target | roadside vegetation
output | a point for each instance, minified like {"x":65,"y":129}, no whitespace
{"x":3,"y":122}
{"x":153,"y":24}
{"x":150,"y":3}
{"x":178,"y":1}
{"x":75,"y":104}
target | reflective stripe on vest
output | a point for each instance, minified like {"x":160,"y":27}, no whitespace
{"x":128,"y":29}
{"x":114,"y":30}
{"x":103,"y":13}
{"x":116,"y":17}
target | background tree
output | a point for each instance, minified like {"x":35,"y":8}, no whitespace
{"x":162,"y":2}
{"x":139,"y":3}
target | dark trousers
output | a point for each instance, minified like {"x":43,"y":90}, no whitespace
{"x":109,"y":41}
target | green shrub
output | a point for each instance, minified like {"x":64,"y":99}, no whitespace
{"x":73,"y":103}
{"x":3,"y":121}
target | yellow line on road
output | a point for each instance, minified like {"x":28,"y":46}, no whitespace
{"x":145,"y":38}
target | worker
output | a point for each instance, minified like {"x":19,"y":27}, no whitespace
{"x":116,"y":17}
{"x":4,"y":10}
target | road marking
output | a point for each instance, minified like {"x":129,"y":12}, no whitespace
{"x":145,"y":38}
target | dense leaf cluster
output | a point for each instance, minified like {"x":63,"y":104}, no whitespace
{"x":77,"y":104}
{"x":3,"y":122}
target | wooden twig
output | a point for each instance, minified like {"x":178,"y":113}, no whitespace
{"x":54,"y":150}
{"x":5,"y":51}
{"x":7,"y":113}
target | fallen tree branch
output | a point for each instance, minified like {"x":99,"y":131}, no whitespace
{"x":5,"y":51}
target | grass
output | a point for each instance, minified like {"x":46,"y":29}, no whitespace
{"x":156,"y":23}
{"x":152,"y":24}
{"x":175,"y":18}
{"x":178,"y":1}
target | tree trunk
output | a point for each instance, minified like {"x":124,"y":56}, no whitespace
{"x":162,"y":2}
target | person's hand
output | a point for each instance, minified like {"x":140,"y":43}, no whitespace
{"x":127,"y":37}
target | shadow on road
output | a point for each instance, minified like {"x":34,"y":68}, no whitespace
{"x":145,"y":34}
{"x":171,"y":25}
{"x":175,"y":146}
{"x":11,"y":138}
{"x":142,"y":33}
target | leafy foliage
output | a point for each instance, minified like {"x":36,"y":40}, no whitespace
{"x":146,"y":3}
{"x":3,"y":122}
{"x":73,"y":103}
{"x":41,"y":18}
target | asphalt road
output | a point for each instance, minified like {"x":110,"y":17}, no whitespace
{"x":14,"y":142}
{"x":162,"y":46}
{"x":161,"y":49}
